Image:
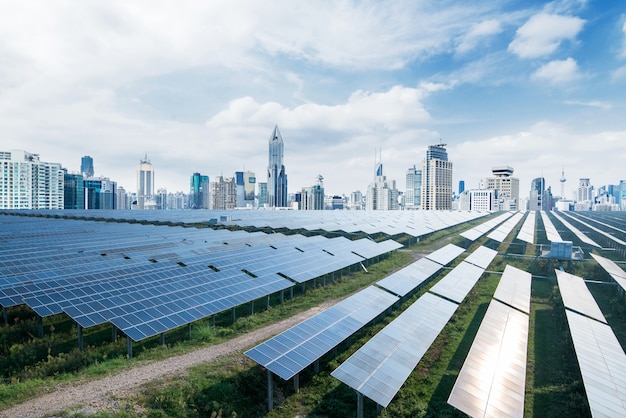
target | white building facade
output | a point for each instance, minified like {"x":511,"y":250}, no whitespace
{"x":26,"y":182}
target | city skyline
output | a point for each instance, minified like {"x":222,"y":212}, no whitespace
{"x":535,"y":86}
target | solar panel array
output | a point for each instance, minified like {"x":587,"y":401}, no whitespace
{"x":613,"y":269}
{"x":413,"y":223}
{"x":491,"y":382}
{"x":551,"y":232}
{"x":290,"y":352}
{"x":501,"y":232}
{"x":148,"y":279}
{"x":381,"y":366}
{"x":598,"y":230}
{"x":479,"y":230}
{"x":527,"y":233}
{"x":577,"y":297}
{"x":581,"y":236}
{"x":404,"y":281}
{"x":481,"y":257}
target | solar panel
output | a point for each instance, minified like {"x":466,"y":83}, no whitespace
{"x":380,"y":368}
{"x":606,"y":234}
{"x":527,"y":232}
{"x":458,"y":282}
{"x":480,"y":230}
{"x":481,"y":257}
{"x":551,"y":232}
{"x":290,"y":352}
{"x":491,"y":382}
{"x":577,"y":297}
{"x":406,"y":280}
{"x":445,"y":254}
{"x":613,"y":269}
{"x":602,"y":365}
{"x":581,"y":236}
{"x":503,"y":230}
{"x":514,"y":288}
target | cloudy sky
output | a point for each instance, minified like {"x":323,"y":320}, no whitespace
{"x":200,"y":85}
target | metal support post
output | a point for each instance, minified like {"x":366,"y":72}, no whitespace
{"x":316,"y":366}
{"x":80,"y":338}
{"x":359,"y":405}
{"x":282,"y":296}
{"x":268,"y":302}
{"x":113,"y":333}
{"x":296,"y":383}
{"x":129,"y":347}
{"x":270,"y":391}
{"x":189,"y":331}
{"x":162,"y":337}
{"x":234,"y":315}
{"x":252,"y":308}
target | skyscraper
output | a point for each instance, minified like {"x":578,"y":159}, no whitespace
{"x":223,"y":193}
{"x":246,"y":187}
{"x":381,"y":194}
{"x":276,"y":177}
{"x":313,"y":197}
{"x":436,"y":179}
{"x":26,"y":182}
{"x":585,"y":191}
{"x":145,"y":183}
{"x":413,"y":195}
{"x":74,"y":191}
{"x":538,"y":195}
{"x":86,"y":166}
{"x":199,"y":191}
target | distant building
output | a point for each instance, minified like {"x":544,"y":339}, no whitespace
{"x":584,"y":196}
{"x":507,"y":186}
{"x":199,"y":191}
{"x":381,"y":194}
{"x":262,"y":199}
{"x":312,"y":198}
{"x":26,"y":182}
{"x":100,"y":193}
{"x":223,"y":193}
{"x":537,"y":199}
{"x":356,"y":200}
{"x":276,"y":176}
{"x":161,"y":199}
{"x":73,"y":191}
{"x":122,"y":199}
{"x":86,"y":166}
{"x":246,"y":188}
{"x":413,"y":194}
{"x":436,"y":179}
{"x":145,"y":184}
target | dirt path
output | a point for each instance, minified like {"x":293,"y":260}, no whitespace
{"x":101,"y":394}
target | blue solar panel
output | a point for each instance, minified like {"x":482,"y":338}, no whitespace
{"x":290,"y":352}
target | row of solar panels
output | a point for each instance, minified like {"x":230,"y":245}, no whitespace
{"x":381,"y":366}
{"x":600,"y":356}
{"x":290,"y":352}
{"x":479,"y":230}
{"x":145,"y":298}
{"x":413,"y":223}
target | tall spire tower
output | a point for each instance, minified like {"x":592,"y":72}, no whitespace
{"x":563,"y":180}
{"x":276,"y":177}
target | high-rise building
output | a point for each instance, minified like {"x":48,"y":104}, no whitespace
{"x":381,"y":194}
{"x":356,"y":200}
{"x":74,"y":191}
{"x":100,"y":193}
{"x":246,"y":188}
{"x":585,"y":191}
{"x":26,"y":182}
{"x":145,"y":184}
{"x":539,"y":198}
{"x":276,"y":177}
{"x":86,"y":166}
{"x":223,"y":193}
{"x":461,"y":186}
{"x":312,"y":198}
{"x":413,"y":195}
{"x":262,"y":198}
{"x":507,"y":186}
{"x":436,"y":179}
{"x":121,"y":199}
{"x":199,"y":191}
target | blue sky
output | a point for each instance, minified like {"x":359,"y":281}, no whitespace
{"x":199,"y":86}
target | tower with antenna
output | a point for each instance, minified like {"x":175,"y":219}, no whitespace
{"x":562,"y":180}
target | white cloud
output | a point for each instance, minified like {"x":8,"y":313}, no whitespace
{"x":623,"y":53}
{"x":542,"y":34}
{"x":558,"y":72}
{"x":477,"y":33}
{"x":594,"y":103}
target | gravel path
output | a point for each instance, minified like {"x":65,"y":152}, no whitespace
{"x":102,"y":394}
